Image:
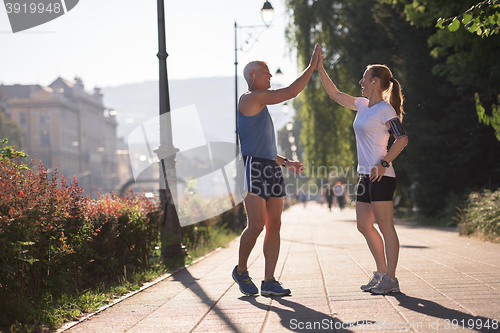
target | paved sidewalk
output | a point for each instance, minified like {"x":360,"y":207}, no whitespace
{"x":448,"y":283}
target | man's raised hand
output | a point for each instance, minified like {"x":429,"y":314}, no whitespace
{"x":315,"y":56}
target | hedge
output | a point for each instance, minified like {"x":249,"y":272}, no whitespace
{"x":55,"y":240}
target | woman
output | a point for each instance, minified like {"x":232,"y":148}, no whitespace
{"x":376,"y":118}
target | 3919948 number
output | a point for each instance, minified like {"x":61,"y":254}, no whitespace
{"x":471,"y":323}
{"x":33,"y":8}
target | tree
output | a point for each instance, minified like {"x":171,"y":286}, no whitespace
{"x":466,"y":55}
{"x":482,"y":19}
{"x":10,"y":130}
{"x":449,"y":152}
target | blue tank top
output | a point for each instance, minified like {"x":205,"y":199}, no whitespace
{"x":257,"y":138}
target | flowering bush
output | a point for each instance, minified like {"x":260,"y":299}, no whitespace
{"x":54,"y":240}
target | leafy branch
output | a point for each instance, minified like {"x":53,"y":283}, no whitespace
{"x":493,"y":120}
{"x":10,"y":153}
{"x":482,"y":19}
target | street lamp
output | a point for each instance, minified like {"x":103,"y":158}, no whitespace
{"x":267,"y":13}
{"x":279,"y":76}
{"x":267,"y":17}
{"x":285,"y":108}
{"x":170,"y":229}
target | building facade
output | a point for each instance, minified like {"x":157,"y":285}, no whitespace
{"x":68,"y":129}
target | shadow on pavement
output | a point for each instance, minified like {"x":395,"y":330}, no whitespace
{"x":300,"y":318}
{"x":189,"y":282}
{"x":415,"y":247}
{"x":446,"y":318}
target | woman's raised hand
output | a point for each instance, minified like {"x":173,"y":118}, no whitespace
{"x":320,"y":61}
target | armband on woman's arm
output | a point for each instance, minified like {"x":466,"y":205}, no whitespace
{"x":397,"y":128}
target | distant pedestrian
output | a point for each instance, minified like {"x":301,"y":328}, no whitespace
{"x":303,"y":197}
{"x":375,"y":117}
{"x":338,"y":190}
{"x":321,"y":197}
{"x":264,"y":180}
{"x":329,"y":195}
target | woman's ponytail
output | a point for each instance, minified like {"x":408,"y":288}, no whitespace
{"x":394,"y":97}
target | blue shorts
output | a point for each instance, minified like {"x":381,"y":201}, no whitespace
{"x":263,"y":177}
{"x":369,"y":191}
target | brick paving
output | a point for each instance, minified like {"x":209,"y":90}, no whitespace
{"x":448,"y":283}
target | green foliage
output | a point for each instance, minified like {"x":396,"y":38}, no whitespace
{"x":449,"y":150}
{"x":8,"y":152}
{"x":481,"y":215}
{"x":10,"y":130}
{"x":482,"y":19}
{"x":493,"y":120}
{"x":326,"y":133}
{"x":207,"y":235}
{"x":54,"y":241}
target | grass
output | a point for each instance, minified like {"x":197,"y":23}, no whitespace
{"x":217,"y":237}
{"x":49,"y":314}
{"x":408,"y":215}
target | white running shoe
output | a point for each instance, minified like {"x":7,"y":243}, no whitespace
{"x":373,"y":282}
{"x":385,"y":286}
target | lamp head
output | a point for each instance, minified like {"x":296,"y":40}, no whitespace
{"x":279,"y":76}
{"x":267,"y":13}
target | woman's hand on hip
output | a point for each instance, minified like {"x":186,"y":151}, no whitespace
{"x":377,"y":172}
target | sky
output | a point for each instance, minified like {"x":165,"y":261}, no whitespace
{"x":114,"y":42}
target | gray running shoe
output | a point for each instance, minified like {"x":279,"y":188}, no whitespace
{"x":385,"y":286}
{"x":244,"y":281}
{"x":273,"y":287}
{"x":373,"y":282}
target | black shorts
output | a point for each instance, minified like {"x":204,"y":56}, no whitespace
{"x":369,"y":191}
{"x":263,"y":177}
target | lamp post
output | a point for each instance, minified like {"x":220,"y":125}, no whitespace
{"x":170,"y":229}
{"x":267,"y":13}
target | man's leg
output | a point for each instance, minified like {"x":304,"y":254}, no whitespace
{"x":274,"y":208}
{"x":256,"y":214}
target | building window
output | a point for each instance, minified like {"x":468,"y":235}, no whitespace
{"x":44,"y":118}
{"x":44,"y":139}
{"x":22,"y":119}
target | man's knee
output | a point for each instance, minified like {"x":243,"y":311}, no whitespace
{"x":256,"y":226}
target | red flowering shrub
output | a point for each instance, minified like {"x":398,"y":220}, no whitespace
{"x":53,"y":239}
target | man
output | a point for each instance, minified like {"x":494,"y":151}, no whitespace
{"x":263,"y":177}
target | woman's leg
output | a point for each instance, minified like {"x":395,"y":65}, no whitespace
{"x":365,"y":219}
{"x":383,"y":212}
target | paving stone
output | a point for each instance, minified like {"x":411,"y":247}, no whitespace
{"x":323,"y":260}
